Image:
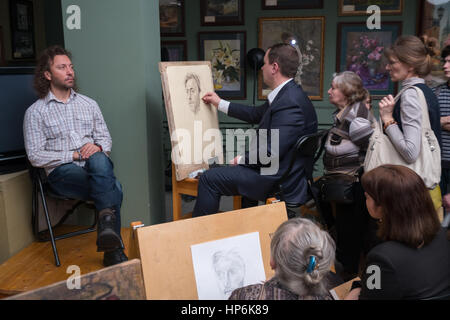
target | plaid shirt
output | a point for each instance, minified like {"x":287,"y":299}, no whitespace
{"x":54,"y":130}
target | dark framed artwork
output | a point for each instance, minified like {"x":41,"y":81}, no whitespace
{"x":222,"y":12}
{"x":22,"y":29}
{"x":434,"y":22}
{"x":308,"y":33}
{"x":359,"y":7}
{"x":173,"y":51}
{"x":226,"y":51}
{"x":171,"y":18}
{"x":291,"y":4}
{"x":362,"y":51}
{"x":2,"y":48}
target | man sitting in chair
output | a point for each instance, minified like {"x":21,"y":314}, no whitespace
{"x":65,"y":134}
{"x":289,"y":114}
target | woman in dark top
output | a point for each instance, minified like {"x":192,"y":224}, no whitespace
{"x":413,"y":262}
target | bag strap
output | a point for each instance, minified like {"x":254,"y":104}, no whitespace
{"x":426,"y":124}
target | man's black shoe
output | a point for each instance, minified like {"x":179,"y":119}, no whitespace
{"x":111,"y":258}
{"x":107,"y":238}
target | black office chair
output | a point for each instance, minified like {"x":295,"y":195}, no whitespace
{"x":310,"y":146}
{"x":42,"y":189}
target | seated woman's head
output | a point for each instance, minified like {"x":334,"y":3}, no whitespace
{"x":368,"y":99}
{"x":346,"y":89}
{"x":302,"y":255}
{"x":398,"y":197}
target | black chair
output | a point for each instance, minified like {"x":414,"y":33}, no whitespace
{"x":308,"y":146}
{"x":42,"y":189}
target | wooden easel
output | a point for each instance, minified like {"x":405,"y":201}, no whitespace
{"x":165,"y":249}
{"x":189,"y":187}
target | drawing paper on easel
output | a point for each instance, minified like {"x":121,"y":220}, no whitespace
{"x":193,"y":125}
{"x":224,"y":265}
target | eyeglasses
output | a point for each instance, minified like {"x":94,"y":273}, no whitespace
{"x":391,"y":63}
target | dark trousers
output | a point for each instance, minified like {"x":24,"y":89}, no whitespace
{"x":355,"y":229}
{"x":445,"y":180}
{"x":95,"y":181}
{"x":229,"y":181}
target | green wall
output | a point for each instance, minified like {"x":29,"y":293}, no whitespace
{"x":116,"y":56}
{"x":253,"y":11}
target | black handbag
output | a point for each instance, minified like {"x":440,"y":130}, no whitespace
{"x":336,"y":188}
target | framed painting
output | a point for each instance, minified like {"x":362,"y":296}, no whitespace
{"x":190,"y":119}
{"x":291,"y":4}
{"x":359,"y":7}
{"x":222,"y":12}
{"x":171,"y":18}
{"x":173,"y":50}
{"x":2,"y":48}
{"x":226,"y":52}
{"x":307,"y":34}
{"x":22,"y":29}
{"x":434,"y":22}
{"x":362,"y":51}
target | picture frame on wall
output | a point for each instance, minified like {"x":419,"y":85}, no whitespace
{"x":362,"y":51}
{"x":22,"y":30}
{"x":359,"y":7}
{"x":291,"y":4}
{"x":173,"y":50}
{"x":434,"y":23}
{"x":2,"y":48}
{"x":226,"y":51}
{"x":222,"y":12}
{"x":172,"y":18}
{"x":308,"y":33}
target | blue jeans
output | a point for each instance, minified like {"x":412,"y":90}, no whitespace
{"x":95,"y":181}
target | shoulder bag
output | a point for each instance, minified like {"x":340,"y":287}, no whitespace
{"x":381,"y":150}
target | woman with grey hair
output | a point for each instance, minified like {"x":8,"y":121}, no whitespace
{"x":345,"y":151}
{"x":301,"y":255}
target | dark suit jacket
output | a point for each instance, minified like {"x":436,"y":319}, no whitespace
{"x":293,"y":114}
{"x":408,"y":273}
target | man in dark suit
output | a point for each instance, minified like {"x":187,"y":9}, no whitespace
{"x":286,"y":116}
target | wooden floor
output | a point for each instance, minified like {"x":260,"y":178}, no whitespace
{"x":34,"y":267}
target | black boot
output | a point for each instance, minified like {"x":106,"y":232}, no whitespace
{"x":107,"y":238}
{"x":114,"y":257}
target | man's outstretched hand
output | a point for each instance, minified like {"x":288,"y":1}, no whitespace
{"x":211,"y":98}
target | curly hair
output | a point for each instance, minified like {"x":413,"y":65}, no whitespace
{"x":41,"y":84}
{"x":351,"y":86}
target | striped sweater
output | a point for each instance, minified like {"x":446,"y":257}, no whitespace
{"x":443,"y":94}
{"x":347,"y":142}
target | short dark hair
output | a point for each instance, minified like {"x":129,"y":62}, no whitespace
{"x":287,"y":58}
{"x":41,"y":84}
{"x":445,"y":52}
{"x":193,"y":76}
{"x":409,"y":215}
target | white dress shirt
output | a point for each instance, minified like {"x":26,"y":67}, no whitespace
{"x":225,"y":105}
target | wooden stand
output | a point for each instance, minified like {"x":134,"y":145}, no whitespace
{"x":165,"y":249}
{"x":189,"y":187}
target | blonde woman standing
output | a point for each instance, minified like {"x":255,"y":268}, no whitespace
{"x":409,"y":62}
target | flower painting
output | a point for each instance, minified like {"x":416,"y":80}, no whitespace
{"x":306,"y":35}
{"x":365,"y":59}
{"x":226,"y":51}
{"x":362,"y":51}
